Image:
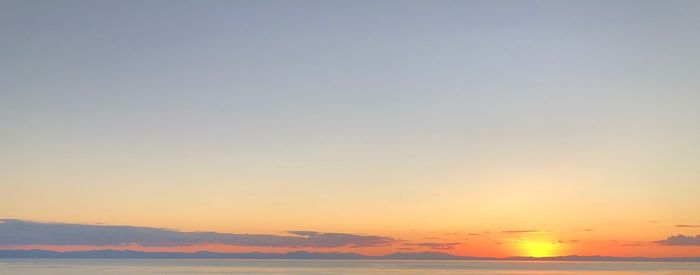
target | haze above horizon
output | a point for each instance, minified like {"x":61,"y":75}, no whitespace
{"x":481,"y":128}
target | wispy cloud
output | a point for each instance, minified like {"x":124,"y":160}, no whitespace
{"x":631,"y":244}
{"x":20,"y":232}
{"x":680,"y":240}
{"x":519,"y":231}
{"x":688,"y":225}
{"x":435,"y":245}
{"x":568,"y":241}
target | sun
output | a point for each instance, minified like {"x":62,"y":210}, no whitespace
{"x":538,"y":249}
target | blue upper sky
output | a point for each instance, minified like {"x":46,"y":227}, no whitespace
{"x":259,"y":111}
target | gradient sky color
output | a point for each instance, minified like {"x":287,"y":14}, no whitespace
{"x":494,"y":128}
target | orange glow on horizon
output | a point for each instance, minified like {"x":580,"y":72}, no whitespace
{"x":486,"y":242}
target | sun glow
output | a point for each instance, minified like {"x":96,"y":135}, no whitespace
{"x":538,"y":248}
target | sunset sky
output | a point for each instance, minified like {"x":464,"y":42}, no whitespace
{"x":479,"y":128}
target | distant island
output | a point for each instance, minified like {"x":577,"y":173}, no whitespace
{"x":299,"y":255}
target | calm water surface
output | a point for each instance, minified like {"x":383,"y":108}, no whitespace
{"x":315,"y":267}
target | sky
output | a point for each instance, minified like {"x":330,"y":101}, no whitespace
{"x":481,"y":128}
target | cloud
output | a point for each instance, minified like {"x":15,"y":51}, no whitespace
{"x":688,"y":225}
{"x":435,"y":245}
{"x":568,"y":241}
{"x":680,"y":240}
{"x":20,"y":232}
{"x":518,"y":231}
{"x":631,"y":244}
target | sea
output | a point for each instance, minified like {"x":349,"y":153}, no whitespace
{"x":317,"y":267}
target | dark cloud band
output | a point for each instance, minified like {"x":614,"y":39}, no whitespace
{"x":20,"y":232}
{"x":680,"y":240}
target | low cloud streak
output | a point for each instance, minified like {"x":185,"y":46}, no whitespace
{"x":435,"y":245}
{"x":20,"y":232}
{"x":519,"y":231}
{"x":680,"y":240}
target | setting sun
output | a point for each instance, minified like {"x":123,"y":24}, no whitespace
{"x":538,"y":248}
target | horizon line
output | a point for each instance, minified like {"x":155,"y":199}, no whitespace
{"x":302,"y":254}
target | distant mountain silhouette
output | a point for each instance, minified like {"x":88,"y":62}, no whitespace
{"x":427,"y":256}
{"x":131,"y":254}
{"x":606,"y":258}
